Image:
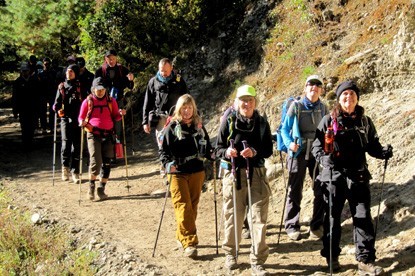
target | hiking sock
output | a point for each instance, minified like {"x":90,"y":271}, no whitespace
{"x":91,"y":191}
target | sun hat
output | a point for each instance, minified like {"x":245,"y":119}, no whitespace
{"x":246,"y":90}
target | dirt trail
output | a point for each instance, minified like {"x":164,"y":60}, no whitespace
{"x":130,"y":220}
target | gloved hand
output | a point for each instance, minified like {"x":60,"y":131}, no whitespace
{"x":387,"y":152}
{"x":327,"y":161}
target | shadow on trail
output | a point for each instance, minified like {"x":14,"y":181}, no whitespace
{"x":134,"y":197}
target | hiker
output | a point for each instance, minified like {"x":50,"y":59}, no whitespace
{"x":116,"y":78}
{"x":301,"y":121}
{"x":25,"y":93}
{"x":345,"y":173}
{"x":184,"y":147}
{"x":162,"y":93}
{"x":98,"y":113}
{"x":67,"y":105}
{"x":85,"y":77}
{"x":32,"y":64}
{"x":245,"y":124}
{"x":48,"y":85}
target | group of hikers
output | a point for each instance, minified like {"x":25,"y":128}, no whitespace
{"x":332,"y":144}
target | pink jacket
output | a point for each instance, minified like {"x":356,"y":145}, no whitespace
{"x":101,"y":117}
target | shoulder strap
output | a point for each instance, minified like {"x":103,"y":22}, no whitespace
{"x":104,"y":69}
{"x":90,"y":102}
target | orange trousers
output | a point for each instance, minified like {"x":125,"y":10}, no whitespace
{"x":185,"y":193}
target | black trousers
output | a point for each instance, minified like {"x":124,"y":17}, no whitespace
{"x":296,"y":181}
{"x":358,"y":196}
{"x":71,"y":144}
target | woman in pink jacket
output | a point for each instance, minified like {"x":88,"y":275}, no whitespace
{"x":97,"y":115}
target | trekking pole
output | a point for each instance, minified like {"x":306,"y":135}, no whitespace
{"x":331,"y":221}
{"x":286,"y":190}
{"x":80,"y":163}
{"x":125,"y":153}
{"x":162,"y":214}
{"x":54,"y":151}
{"x":221,"y":213}
{"x":248,"y":181}
{"x":235,"y":220}
{"x":216,"y":209}
{"x":381,"y":194}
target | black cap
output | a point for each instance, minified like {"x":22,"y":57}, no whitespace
{"x":346,"y":85}
{"x":98,"y":83}
{"x":110,"y":52}
{"x":81,"y":62}
{"x":75,"y":68}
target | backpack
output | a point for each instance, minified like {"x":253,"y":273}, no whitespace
{"x":90,"y":101}
{"x":285,"y":106}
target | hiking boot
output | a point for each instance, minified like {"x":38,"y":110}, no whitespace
{"x":75,"y":178}
{"x":369,"y":269}
{"x":65,"y":173}
{"x":190,"y":252}
{"x":101,"y":193}
{"x":91,"y":192}
{"x":258,"y":270}
{"x":316,"y":234}
{"x":230,"y":262}
{"x":295,"y":235}
{"x":246,"y":234}
{"x":335,"y":264}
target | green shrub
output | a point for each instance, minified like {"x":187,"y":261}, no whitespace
{"x":26,"y":248}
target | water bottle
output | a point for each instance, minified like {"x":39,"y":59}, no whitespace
{"x":202,"y":147}
{"x":114,"y":93}
{"x":329,"y":140}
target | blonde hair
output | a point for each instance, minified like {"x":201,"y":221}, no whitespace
{"x":186,"y":99}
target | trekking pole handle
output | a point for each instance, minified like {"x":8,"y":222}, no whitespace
{"x":245,"y":143}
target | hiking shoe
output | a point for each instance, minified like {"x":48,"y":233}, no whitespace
{"x":65,"y":173}
{"x":258,"y":270}
{"x":295,"y":235}
{"x":246,"y":234}
{"x":190,"y":252}
{"x":75,"y":178}
{"x":316,"y":234}
{"x":101,"y":193}
{"x":230,"y":262}
{"x":335,"y":264}
{"x":91,"y":192}
{"x":369,"y":269}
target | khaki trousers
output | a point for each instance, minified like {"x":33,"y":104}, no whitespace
{"x":260,"y":192}
{"x":185,"y":193}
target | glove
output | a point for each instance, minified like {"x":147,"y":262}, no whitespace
{"x":387,"y":152}
{"x":327,"y":161}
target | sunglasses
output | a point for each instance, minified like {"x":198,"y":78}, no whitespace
{"x":314,"y":83}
